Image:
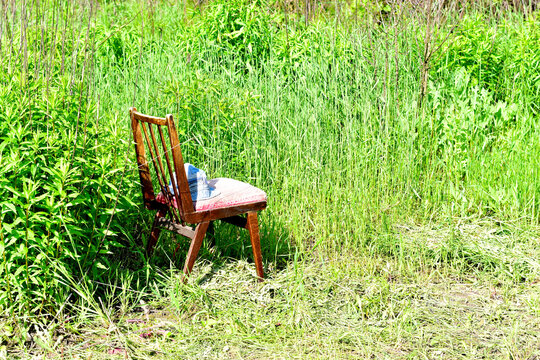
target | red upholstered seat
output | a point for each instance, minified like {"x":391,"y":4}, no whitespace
{"x":232,"y":193}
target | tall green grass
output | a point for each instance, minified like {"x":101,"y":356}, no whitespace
{"x":324,"y":115}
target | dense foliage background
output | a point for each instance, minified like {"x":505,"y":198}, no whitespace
{"x":353,"y":117}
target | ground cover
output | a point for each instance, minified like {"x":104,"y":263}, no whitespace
{"x":358,"y":305}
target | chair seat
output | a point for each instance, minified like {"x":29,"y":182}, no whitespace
{"x":232,"y":193}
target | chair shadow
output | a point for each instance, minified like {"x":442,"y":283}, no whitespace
{"x":229,"y":242}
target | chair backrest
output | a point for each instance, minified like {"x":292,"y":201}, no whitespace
{"x":161,"y":151}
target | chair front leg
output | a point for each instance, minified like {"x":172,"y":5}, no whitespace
{"x":154,"y":233}
{"x":253,"y":227}
{"x":194,"y":248}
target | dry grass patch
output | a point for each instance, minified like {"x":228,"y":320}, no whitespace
{"x":357,"y":306}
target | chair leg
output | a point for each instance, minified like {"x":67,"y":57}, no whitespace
{"x":253,"y":227}
{"x":196,"y":243}
{"x":154,"y":233}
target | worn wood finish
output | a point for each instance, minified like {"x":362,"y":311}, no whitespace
{"x":171,"y":218}
{"x":253,"y":227}
{"x":154,"y":233}
{"x":183,"y":186}
{"x":195,"y":246}
{"x":144,"y":171}
{"x":149,"y":119}
{"x":177,"y":228}
{"x":219,"y":214}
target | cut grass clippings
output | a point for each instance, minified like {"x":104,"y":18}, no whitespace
{"x":353,"y":306}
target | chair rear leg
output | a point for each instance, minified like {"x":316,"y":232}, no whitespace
{"x":194,"y":248}
{"x":154,"y":233}
{"x":253,"y":227}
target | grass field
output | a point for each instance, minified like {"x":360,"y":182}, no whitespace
{"x":399,"y":146}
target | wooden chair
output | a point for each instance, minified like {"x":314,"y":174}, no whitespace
{"x":175,"y":209}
